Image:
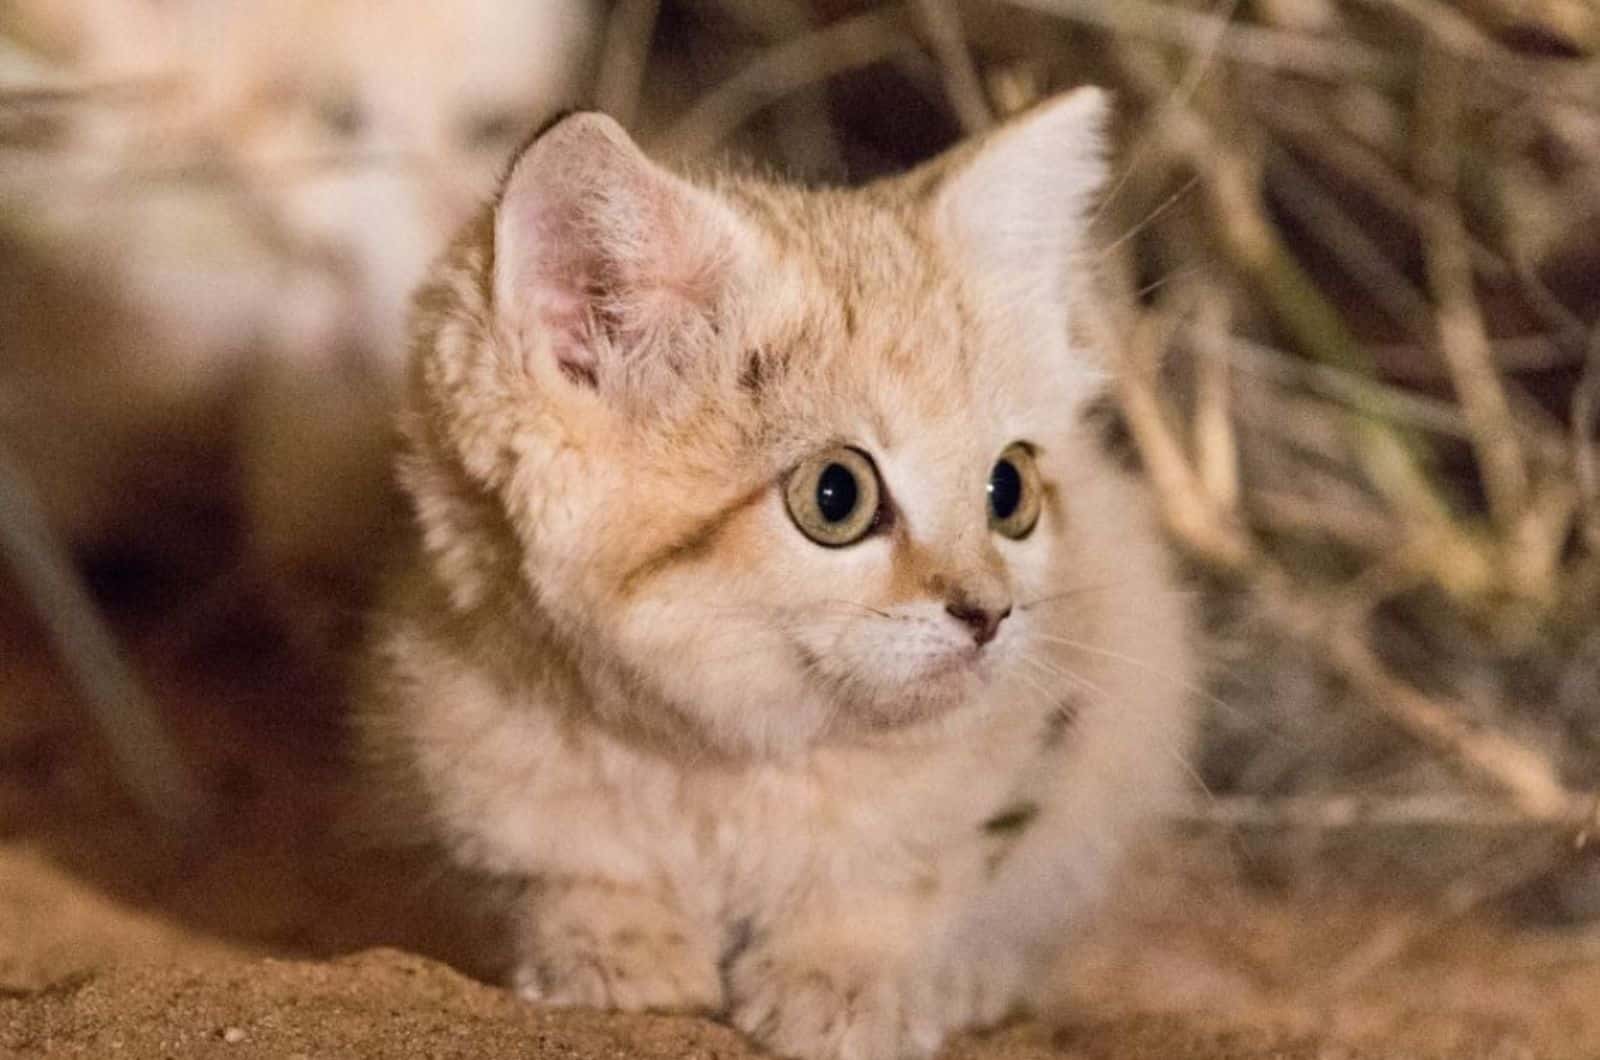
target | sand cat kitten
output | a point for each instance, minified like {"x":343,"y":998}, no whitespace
{"x":772,"y":615}
{"x":418,"y":106}
{"x":363,"y":132}
{"x":255,"y":189}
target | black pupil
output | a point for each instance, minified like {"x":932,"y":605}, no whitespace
{"x":836,"y":493}
{"x":344,"y":116}
{"x":493,"y":128}
{"x":1005,"y":489}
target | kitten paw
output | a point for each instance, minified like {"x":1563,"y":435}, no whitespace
{"x":615,"y":949}
{"x":836,"y":1011}
{"x":979,"y":990}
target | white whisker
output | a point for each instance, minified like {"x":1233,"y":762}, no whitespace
{"x":1166,"y":746}
{"x":1150,"y":218}
{"x":1068,"y":675}
{"x":1199,"y":65}
{"x":1186,"y":685}
{"x":1047,"y":696}
{"x":1068,"y":594}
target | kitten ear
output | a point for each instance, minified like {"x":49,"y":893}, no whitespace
{"x":1017,"y":202}
{"x":607,"y":263}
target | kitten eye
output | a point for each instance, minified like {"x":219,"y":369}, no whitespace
{"x":1014,"y":492}
{"x":343,"y":115}
{"x":494,"y":129}
{"x":834,"y":496}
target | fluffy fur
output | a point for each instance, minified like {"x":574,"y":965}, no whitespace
{"x":739,"y":772}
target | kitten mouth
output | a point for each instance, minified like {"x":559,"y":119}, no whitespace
{"x":972,"y":660}
{"x":952,"y":678}
{"x":944,"y":683}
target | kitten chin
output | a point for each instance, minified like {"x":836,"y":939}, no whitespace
{"x":773,"y":616}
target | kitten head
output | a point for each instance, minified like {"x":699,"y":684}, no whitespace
{"x":776,"y":466}
{"x":373,"y":129}
{"x":356,"y":136}
{"x":425,"y":103}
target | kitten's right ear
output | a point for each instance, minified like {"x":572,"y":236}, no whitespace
{"x":608,"y":264}
{"x":1016,"y":201}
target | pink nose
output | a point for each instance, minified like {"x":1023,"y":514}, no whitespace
{"x":983,"y":621}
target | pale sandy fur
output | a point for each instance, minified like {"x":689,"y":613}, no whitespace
{"x":739,"y":772}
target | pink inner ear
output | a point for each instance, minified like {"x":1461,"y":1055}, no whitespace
{"x":568,"y":321}
{"x":604,"y":254}
{"x":554,"y":283}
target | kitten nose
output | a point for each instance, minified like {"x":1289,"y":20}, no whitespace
{"x":983,"y":621}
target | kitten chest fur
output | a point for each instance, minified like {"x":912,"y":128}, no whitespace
{"x":520,"y":788}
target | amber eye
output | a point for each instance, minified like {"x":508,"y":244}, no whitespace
{"x":1014,"y":492}
{"x":343,"y":115}
{"x":493,"y":129}
{"x":834,"y":496}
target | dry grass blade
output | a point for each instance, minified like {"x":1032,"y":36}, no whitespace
{"x":846,"y":45}
{"x":1313,"y":132}
{"x":1458,"y":34}
{"x":1360,"y":811}
{"x":1191,"y":512}
{"x":1470,"y":892}
{"x":961,"y":81}
{"x":771,"y":19}
{"x":1463,"y":338}
{"x":1368,"y":533}
{"x":806,"y":134}
{"x":1381,"y":280}
{"x":1215,"y":445}
{"x":1585,"y":416}
{"x":1268,"y":49}
{"x":146,"y":758}
{"x":1252,"y":243}
{"x":1350,"y":389}
{"x":1576,"y":22}
{"x":626,"y":54}
{"x":1523,"y":774}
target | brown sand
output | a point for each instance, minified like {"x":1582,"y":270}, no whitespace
{"x":268,"y":937}
{"x":387,"y":1003}
{"x":83,"y":976}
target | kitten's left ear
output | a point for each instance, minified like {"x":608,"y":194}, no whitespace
{"x":1017,"y":202}
{"x":608,"y":266}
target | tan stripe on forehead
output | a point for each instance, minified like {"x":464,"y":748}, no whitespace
{"x":693,"y":545}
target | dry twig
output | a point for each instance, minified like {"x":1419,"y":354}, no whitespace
{"x":146,"y":758}
{"x":805,"y":131}
{"x":1192,"y":513}
{"x":1523,"y":774}
{"x":624,"y":58}
{"x":1254,"y":246}
{"x":1361,"y":811}
{"x":1463,"y":337}
{"x":1586,"y":463}
{"x":1472,"y":891}
{"x":1215,"y":446}
{"x":1270,"y":49}
{"x":846,"y":45}
{"x":961,"y":82}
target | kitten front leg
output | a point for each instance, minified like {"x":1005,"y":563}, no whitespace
{"x":864,"y":984}
{"x":597,"y":944}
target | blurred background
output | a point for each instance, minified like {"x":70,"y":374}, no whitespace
{"x":1351,"y":271}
